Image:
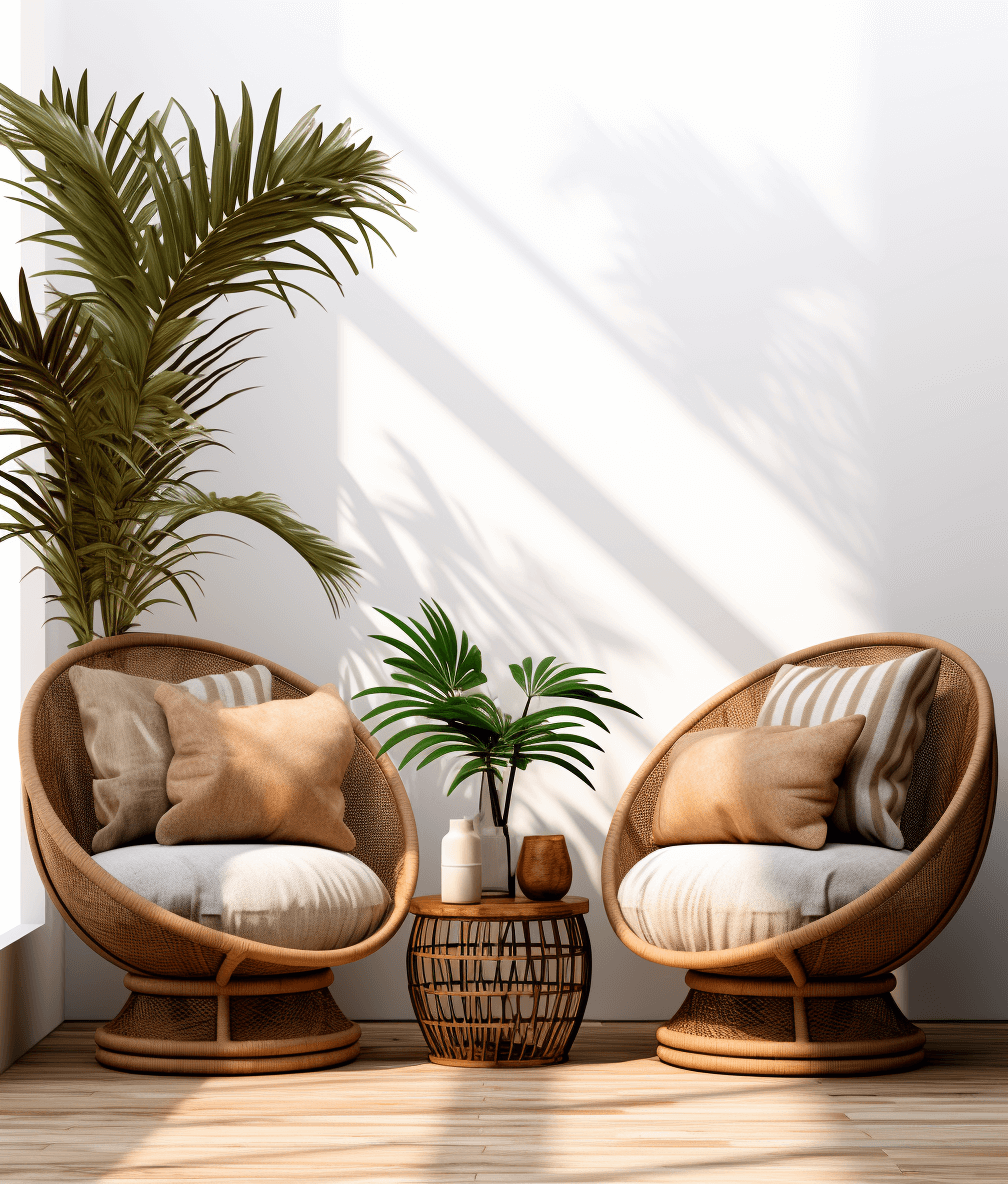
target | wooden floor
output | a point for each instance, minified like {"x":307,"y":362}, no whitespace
{"x":613,"y":1114}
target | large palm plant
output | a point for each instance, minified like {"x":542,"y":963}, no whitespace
{"x":111,"y":397}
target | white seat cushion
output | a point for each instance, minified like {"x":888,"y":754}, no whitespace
{"x":719,"y":896}
{"x":303,"y":898}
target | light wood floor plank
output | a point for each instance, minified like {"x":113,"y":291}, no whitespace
{"x":614,"y":1114}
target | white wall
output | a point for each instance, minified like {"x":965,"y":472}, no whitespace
{"x":31,"y":931}
{"x":10,"y":558}
{"x":695,"y":359}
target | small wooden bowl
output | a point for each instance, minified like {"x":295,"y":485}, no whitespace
{"x":544,"y":867}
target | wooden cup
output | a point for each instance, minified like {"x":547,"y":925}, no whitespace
{"x":544,"y":867}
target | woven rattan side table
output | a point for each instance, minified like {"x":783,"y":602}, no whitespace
{"x":500,"y":984}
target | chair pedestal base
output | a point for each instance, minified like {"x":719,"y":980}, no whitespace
{"x":246,"y":1026}
{"x":776,"y":1028}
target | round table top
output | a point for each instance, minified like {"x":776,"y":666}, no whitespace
{"x":500,"y":908}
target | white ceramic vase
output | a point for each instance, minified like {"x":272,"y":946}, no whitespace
{"x":461,"y":863}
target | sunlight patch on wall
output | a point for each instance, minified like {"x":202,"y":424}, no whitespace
{"x":458,"y":523}
{"x":657,"y":294}
{"x":629,"y":436}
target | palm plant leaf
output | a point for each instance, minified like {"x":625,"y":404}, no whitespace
{"x":115,"y":392}
{"x":556,"y":760}
{"x":435,"y":678}
{"x":438,"y":663}
{"x":333,"y":567}
{"x":552,"y":679}
{"x":476,"y":717}
{"x":469,"y":769}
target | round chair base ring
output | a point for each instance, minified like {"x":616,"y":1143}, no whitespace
{"x":776,"y":1028}
{"x":226,"y":1067}
{"x":781,"y":1067}
{"x":246,"y":1026}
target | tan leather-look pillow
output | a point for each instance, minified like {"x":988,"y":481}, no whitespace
{"x":127,"y":741}
{"x":753,"y":785}
{"x":272,"y":772}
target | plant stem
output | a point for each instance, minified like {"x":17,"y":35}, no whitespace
{"x":514,"y":766}
{"x":495,"y":810}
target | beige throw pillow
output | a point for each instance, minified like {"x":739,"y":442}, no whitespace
{"x":273,"y":772}
{"x":753,"y":785}
{"x":127,"y":741}
{"x":894,"y":697}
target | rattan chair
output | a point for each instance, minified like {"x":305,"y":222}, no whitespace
{"x":816,"y":1001}
{"x":202,"y":1001}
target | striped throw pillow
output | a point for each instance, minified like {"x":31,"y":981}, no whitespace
{"x":894,"y":697}
{"x":237,"y":688}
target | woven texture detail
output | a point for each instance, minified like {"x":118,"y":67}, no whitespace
{"x":734,"y":1017}
{"x":944,"y":753}
{"x":741,"y":710}
{"x":884,"y":935}
{"x":750,"y":1017}
{"x":65,"y":772}
{"x":286,"y":1017}
{"x":636,"y":840}
{"x":843,"y":1020}
{"x":372,"y":817}
{"x":253,"y":1017}
{"x":126,"y":938}
{"x":164,"y":1017}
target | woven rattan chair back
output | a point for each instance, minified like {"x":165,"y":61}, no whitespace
{"x":170,"y":959}
{"x":65,"y":770}
{"x":946,"y":825}
{"x":130,"y":931}
{"x":938,"y":766}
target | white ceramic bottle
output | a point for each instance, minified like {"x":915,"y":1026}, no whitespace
{"x":461,"y":863}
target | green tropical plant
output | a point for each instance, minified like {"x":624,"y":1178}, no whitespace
{"x":110,"y":399}
{"x":436,"y":676}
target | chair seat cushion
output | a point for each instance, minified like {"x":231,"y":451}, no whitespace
{"x":302,"y":898}
{"x":719,"y":896}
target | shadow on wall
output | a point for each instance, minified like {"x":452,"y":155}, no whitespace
{"x":531,"y":457}
{"x":503,"y":618}
{"x":749,"y":310}
{"x":749,"y":307}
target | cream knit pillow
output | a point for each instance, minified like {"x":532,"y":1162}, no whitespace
{"x":894,"y":697}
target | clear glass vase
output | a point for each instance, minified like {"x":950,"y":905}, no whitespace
{"x":500,"y":848}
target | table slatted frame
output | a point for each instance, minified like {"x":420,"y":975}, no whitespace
{"x":506,"y":992}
